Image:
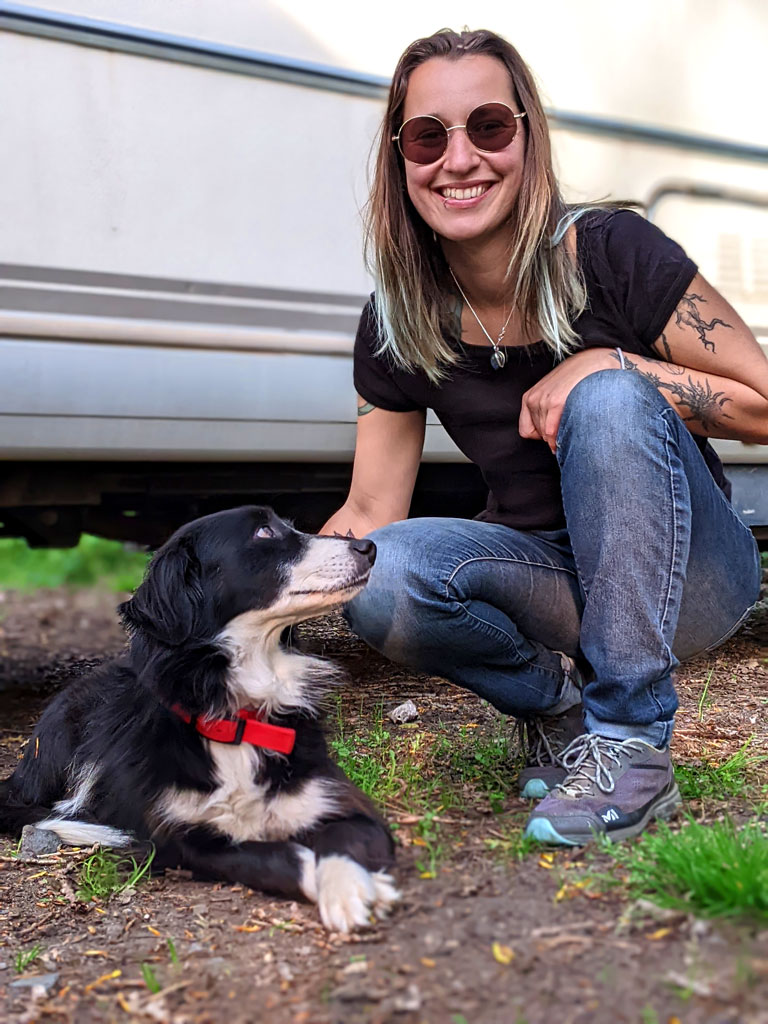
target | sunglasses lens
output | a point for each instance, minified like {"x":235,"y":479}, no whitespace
{"x":423,"y":140}
{"x":491,"y":127}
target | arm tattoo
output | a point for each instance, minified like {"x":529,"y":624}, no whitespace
{"x":704,"y":404}
{"x":677,"y":371}
{"x":687,"y":314}
{"x":363,"y":410}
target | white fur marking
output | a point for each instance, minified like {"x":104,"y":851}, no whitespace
{"x":82,"y":788}
{"x":347,"y":894}
{"x":239,"y":806}
{"x":308,"y":874}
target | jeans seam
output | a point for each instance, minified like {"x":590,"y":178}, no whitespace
{"x":729,"y":632}
{"x":675,"y":549}
{"x":496,"y":558}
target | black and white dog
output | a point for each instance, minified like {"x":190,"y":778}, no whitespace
{"x":205,"y":738}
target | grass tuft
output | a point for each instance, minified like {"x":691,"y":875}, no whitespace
{"x":93,"y":561}
{"x":706,"y":780}
{"x":25,"y":957}
{"x":106,"y":873}
{"x":716,"y":870}
{"x":150,"y":978}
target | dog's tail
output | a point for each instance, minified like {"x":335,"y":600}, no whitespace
{"x":86,"y":833}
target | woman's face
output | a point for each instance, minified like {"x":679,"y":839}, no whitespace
{"x":450,"y":90}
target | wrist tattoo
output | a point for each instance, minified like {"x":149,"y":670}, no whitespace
{"x":688,"y":315}
{"x":704,"y":404}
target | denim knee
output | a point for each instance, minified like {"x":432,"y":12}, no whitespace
{"x":607,"y":413}
{"x":384,"y":613}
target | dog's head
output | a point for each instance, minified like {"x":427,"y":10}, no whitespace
{"x":243,"y":561}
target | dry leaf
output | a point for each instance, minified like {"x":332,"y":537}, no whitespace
{"x":103,"y":978}
{"x":502,"y":954}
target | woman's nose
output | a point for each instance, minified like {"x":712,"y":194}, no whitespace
{"x":460,"y":153}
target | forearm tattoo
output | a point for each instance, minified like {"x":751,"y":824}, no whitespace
{"x":688,"y":315}
{"x":704,"y":404}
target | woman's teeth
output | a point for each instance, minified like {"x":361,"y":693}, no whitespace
{"x":464,"y":193}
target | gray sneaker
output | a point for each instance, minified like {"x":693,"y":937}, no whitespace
{"x":543,"y":739}
{"x":613,"y":788}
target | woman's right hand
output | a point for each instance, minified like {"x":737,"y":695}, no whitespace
{"x":387,"y":456}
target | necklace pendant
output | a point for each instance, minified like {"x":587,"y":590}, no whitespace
{"x":498,"y":359}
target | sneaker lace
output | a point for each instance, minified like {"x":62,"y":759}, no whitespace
{"x":536,"y":737}
{"x":587,"y":762}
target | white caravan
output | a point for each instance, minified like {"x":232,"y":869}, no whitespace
{"x":181,"y":271}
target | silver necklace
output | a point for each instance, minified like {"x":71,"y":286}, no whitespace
{"x":498,"y":357}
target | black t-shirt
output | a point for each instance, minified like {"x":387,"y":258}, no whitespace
{"x":635,"y":276}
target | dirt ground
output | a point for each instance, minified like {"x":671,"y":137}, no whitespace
{"x":564,"y":953}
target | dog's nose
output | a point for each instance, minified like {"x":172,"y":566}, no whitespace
{"x":364,"y":546}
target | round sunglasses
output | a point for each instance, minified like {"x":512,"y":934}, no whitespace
{"x":490,"y":128}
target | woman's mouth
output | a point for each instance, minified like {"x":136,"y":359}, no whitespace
{"x":463,"y":196}
{"x":451,"y":192}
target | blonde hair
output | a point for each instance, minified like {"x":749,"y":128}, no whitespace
{"x":415,"y":302}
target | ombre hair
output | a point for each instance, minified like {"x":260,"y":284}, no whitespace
{"x":415,"y":296}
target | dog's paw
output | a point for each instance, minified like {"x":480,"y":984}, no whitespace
{"x":347,"y":894}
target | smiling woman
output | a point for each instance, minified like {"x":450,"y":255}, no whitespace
{"x":579,"y":359}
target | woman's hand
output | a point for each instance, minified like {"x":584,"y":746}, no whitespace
{"x":543,"y":404}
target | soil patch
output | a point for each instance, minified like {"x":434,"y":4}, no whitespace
{"x":484,"y":934}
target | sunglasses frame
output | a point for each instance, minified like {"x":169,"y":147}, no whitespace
{"x":431,"y":117}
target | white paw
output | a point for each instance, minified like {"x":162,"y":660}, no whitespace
{"x":347,"y":894}
{"x":307,"y":872}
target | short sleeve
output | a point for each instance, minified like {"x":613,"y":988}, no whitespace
{"x":650,"y":273}
{"x":375,"y":377}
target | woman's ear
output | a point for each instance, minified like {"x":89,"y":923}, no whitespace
{"x":169,"y":604}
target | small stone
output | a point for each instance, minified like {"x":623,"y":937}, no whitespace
{"x":284,"y":970}
{"x":356,"y":967}
{"x":407,"y":712}
{"x":37,"y":841}
{"x":409,"y":1001}
{"x":43,"y":981}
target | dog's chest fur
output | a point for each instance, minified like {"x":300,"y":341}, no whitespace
{"x":241,"y":805}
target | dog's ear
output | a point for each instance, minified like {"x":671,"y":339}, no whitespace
{"x":169,"y":604}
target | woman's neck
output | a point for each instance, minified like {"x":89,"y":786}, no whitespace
{"x":481,"y":270}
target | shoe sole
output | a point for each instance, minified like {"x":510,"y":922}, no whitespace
{"x":544,"y":831}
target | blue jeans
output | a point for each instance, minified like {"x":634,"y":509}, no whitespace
{"x":653,"y":567}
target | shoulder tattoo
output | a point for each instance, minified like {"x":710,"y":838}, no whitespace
{"x":363,"y":410}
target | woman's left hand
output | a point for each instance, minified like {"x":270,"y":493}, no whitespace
{"x":543,"y":404}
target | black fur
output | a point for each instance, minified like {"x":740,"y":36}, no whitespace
{"x":227,"y":572}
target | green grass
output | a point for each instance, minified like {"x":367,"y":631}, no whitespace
{"x":512,"y":845}
{"x":715,"y":870}
{"x":150,"y":978}
{"x":106,"y":873}
{"x":422,"y":770}
{"x":427,"y":773}
{"x":734,"y":777}
{"x":94,"y":560}
{"x":25,"y":957}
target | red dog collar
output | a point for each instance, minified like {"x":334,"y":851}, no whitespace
{"x":245,"y":727}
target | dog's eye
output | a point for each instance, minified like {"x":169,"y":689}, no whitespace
{"x":264,"y":531}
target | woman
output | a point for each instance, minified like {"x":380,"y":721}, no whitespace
{"x":578,"y":358}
